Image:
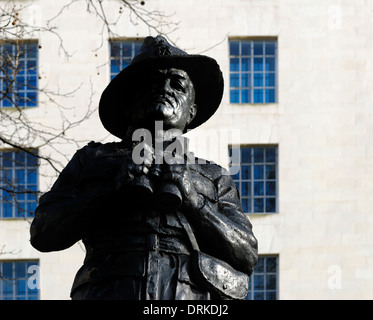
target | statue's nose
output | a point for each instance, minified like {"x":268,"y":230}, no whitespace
{"x":166,"y":86}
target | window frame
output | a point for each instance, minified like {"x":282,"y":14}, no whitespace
{"x":23,"y":178}
{"x":250,"y":180}
{"x":253,"y":292}
{"x":27,"y":95}
{"x":15,"y":280}
{"x":250,"y":88}
{"x":135,"y":47}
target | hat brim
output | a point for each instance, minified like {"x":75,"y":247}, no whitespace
{"x":204,"y":72}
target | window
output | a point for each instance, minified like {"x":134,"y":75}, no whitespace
{"x":19,"y":74}
{"x":18,"y":184}
{"x":255,"y":174}
{"x":19,"y":280}
{"x":263,"y":283}
{"x":121,"y":54}
{"x":253,"y":71}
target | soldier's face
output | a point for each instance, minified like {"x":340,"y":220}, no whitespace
{"x":165,"y":95}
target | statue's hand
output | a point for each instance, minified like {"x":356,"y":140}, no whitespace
{"x":134,"y":166}
{"x":181,"y":176}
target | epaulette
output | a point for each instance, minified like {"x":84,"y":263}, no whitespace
{"x":209,"y":169}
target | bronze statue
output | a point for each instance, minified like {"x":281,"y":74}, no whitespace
{"x":153,"y":229}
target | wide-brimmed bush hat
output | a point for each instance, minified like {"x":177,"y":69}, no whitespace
{"x":157,"y":52}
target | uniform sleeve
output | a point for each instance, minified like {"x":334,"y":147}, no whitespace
{"x":224,"y":231}
{"x":63,"y":213}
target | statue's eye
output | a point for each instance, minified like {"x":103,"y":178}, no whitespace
{"x":178,"y":85}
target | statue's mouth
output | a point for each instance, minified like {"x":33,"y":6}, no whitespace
{"x":163,"y":100}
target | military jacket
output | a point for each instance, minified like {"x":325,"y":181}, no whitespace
{"x":135,"y":248}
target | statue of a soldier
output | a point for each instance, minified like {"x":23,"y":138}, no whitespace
{"x":152,"y":229}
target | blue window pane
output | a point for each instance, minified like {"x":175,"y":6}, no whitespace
{"x":259,"y":205}
{"x":245,"y":48}
{"x":271,"y":264}
{"x":126,"y":49}
{"x":237,"y":185}
{"x":245,"y":189}
{"x":260,"y":265}
{"x":8,"y":289}
{"x":7,"y":196}
{"x":20,"y":158}
{"x":7,"y":159}
{"x":270,"y":64}
{"x":246,"y":155}
{"x":258,"y":64}
{"x":32,"y":190}
{"x":137,"y":47}
{"x":8,"y":48}
{"x":7,"y":210}
{"x":31,"y":176}
{"x":20,"y":287}
{"x":245,"y":80}
{"x":270,"y":95}
{"x":259,"y":172}
{"x":7,"y":270}
{"x":270,"y":154}
{"x":31,"y":82}
{"x":32,"y":51}
{"x":258,"y":188}
{"x":249,"y":205}
{"x":245,"y":96}
{"x":20,"y":82}
{"x":258,"y":96}
{"x":269,"y":79}
{"x":245,"y":205}
{"x":258,"y":155}
{"x":31,"y":99}
{"x":258,"y":79}
{"x":32,"y":159}
{"x":234,"y":49}
{"x":270,"y":295}
{"x":7,"y":102}
{"x":246,"y":172}
{"x":234,"y":96}
{"x":31,"y":66}
{"x":235,"y":80}
{"x":114,"y":49}
{"x":31,"y":207}
{"x":258,"y":48}
{"x":270,"y":48}
{"x":114,"y":67}
{"x":270,"y":172}
{"x":245,"y":64}
{"x":234,"y":64}
{"x":20,"y":195}
{"x":259,"y":282}
{"x":271,"y":188}
{"x":270,"y":205}
{"x":20,"y":210}
{"x":20,"y":176}
{"x":259,"y":295}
